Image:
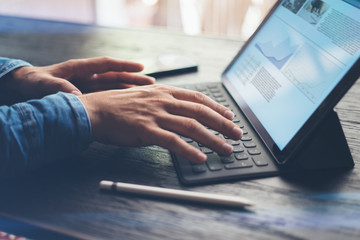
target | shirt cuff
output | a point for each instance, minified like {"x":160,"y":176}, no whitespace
{"x":82,"y":120}
{"x":12,"y":64}
{"x":56,"y":127}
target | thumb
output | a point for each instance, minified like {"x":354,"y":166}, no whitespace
{"x":59,"y":84}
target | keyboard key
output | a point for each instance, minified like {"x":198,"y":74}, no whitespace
{"x":217,"y":94}
{"x":238,"y":149}
{"x":206,"y":150}
{"x":201,"y":88}
{"x":254,"y":151}
{"x":249,"y":144}
{"x":188,"y":140}
{"x":260,"y":162}
{"x":246,"y":138}
{"x":240,"y":164}
{"x":225,"y":104}
{"x":213,"y":162}
{"x":233,"y":142}
{"x":220,"y":99}
{"x":215,"y":90}
{"x":236,"y":120}
{"x":241,"y":156}
{"x":199,"y":168}
{"x":213,"y":86}
{"x":227,"y":159}
{"x":214,"y":132}
{"x":206,"y":93}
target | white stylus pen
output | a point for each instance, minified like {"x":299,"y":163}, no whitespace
{"x":176,"y":194}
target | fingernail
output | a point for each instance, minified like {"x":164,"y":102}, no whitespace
{"x":228,"y":148}
{"x":202,"y":156}
{"x":238,"y":132}
{"x":154,"y":79}
{"x":76,"y":92}
{"x":229,"y":114}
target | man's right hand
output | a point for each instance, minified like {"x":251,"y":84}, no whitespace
{"x":155,"y":115}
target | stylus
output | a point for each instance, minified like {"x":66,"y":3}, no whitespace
{"x":218,"y":199}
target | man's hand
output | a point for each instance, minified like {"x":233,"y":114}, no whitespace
{"x":151,"y":115}
{"x":74,"y":76}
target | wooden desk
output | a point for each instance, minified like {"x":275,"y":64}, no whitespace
{"x":322,"y":205}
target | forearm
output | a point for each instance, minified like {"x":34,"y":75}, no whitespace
{"x":41,"y":131}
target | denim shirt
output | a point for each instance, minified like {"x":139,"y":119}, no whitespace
{"x":38,"y":132}
{"x":7,"y":65}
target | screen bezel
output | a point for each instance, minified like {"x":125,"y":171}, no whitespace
{"x":282,"y":156}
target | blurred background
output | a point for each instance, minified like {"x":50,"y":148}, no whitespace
{"x":229,"y":18}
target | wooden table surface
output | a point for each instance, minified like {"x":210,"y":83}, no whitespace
{"x":66,"y":197}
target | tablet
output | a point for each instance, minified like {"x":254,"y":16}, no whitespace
{"x":295,"y":68}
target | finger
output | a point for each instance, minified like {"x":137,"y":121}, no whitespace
{"x":54,"y":85}
{"x":106,"y":64}
{"x":104,"y":87}
{"x":197,"y":97}
{"x":206,"y":116}
{"x":178,"y":146}
{"x":113,"y":80}
{"x":191,"y":128}
{"x":124,"y":77}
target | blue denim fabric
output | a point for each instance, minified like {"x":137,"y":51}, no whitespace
{"x":39,"y":131}
{"x":7,"y":65}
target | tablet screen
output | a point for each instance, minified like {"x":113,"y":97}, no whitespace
{"x":294,"y":61}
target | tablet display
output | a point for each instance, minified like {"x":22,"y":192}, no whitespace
{"x":296,"y":66}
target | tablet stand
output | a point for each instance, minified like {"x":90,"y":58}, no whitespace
{"x":326,"y":148}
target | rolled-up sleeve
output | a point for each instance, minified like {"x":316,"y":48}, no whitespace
{"x":7,"y":65}
{"x":41,"y":131}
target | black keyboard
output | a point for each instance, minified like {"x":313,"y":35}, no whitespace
{"x":249,"y":157}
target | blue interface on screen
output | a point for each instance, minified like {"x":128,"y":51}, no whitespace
{"x":294,"y":62}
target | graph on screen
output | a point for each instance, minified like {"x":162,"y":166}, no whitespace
{"x":311,"y":72}
{"x":277,"y":54}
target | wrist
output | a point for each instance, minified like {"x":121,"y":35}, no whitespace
{"x":94,"y":114}
{"x":12,"y":80}
{"x":19,"y":73}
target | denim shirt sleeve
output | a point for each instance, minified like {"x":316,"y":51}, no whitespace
{"x":7,"y":65}
{"x":41,"y":131}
